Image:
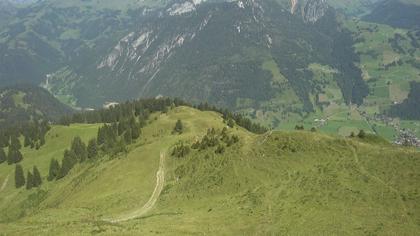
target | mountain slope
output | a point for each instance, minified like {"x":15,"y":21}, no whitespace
{"x":400,"y":14}
{"x":99,"y":54}
{"x":219,"y":50}
{"x":277,"y":183}
{"x":25,"y":102}
{"x":279,"y":62}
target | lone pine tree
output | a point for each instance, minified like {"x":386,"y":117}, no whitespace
{"x":29,"y":181}
{"x":54,"y":170}
{"x":19,"y":176}
{"x":14,"y":156}
{"x":37,"y":180}
{"x":179,"y":127}
{"x":68,"y":162}
{"x":92,"y":148}
{"x":79,"y":149}
{"x":26,"y":141}
{"x":135,"y":131}
{"x":15,"y":143}
{"x":135,"y":128}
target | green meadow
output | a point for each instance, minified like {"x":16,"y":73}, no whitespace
{"x":292,"y":183}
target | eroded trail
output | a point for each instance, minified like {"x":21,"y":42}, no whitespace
{"x":3,"y":186}
{"x":160,"y":180}
{"x":383,"y":183}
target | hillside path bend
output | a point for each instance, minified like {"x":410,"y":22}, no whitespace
{"x":160,"y":180}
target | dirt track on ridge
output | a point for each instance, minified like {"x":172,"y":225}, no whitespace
{"x":160,"y":180}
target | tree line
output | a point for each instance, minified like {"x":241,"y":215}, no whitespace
{"x":33,"y":132}
{"x":33,"y":136}
{"x":231,"y":118}
{"x":139,"y":108}
{"x":144,"y":107}
{"x":33,"y":179}
{"x":111,"y":140}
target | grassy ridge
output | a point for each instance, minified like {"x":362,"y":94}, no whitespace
{"x":279,"y":183}
{"x":294,"y":183}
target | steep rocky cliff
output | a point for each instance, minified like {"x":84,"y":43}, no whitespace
{"x":311,"y":10}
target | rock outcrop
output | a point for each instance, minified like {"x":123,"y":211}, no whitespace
{"x":311,"y":10}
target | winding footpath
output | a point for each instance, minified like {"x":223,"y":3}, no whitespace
{"x":265,"y":137}
{"x":3,"y":186}
{"x":160,"y":180}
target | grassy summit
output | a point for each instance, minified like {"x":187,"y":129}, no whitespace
{"x":276,"y":183}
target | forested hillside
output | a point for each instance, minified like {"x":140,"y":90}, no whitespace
{"x":29,"y":103}
{"x":227,"y":51}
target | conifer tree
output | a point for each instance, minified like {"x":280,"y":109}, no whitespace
{"x":26,"y":141}
{"x":54,"y":170}
{"x":14,"y":156}
{"x":15,"y":143}
{"x":79,"y":148}
{"x":92,"y":148}
{"x":101,"y":135}
{"x":3,"y":156}
{"x":68,"y":163}
{"x":18,"y":156}
{"x":135,"y":128}
{"x":179,"y":127}
{"x":37,"y":180}
{"x":362,"y":134}
{"x":135,"y":132}
{"x":19,"y":176}
{"x":29,"y":181}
